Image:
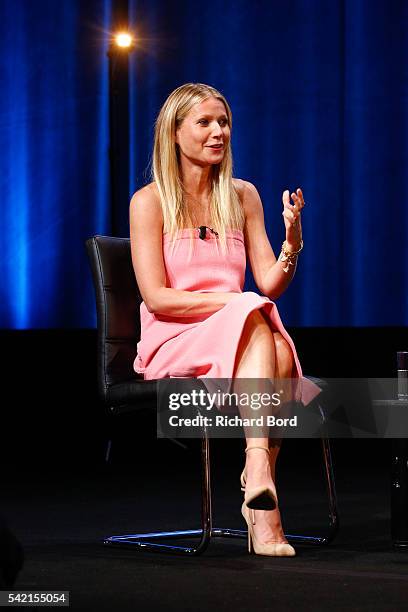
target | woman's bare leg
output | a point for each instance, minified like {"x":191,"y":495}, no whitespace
{"x":284,"y":368}
{"x":263,"y":354}
{"x":255,"y":359}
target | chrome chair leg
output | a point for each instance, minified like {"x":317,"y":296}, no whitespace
{"x":147,"y":541}
{"x":108,"y":451}
{"x":334,"y":522}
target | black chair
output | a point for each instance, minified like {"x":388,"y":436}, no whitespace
{"x":122,"y":390}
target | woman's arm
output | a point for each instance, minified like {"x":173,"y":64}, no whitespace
{"x":146,"y":240}
{"x":268,"y":272}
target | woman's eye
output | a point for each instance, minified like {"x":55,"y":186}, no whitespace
{"x":221,"y":122}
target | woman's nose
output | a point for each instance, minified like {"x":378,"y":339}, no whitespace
{"x":216,"y":131}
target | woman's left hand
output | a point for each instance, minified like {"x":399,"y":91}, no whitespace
{"x":291,"y":215}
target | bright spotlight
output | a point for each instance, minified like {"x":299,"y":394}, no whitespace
{"x":124,"y":40}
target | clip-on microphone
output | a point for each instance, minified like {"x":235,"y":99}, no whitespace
{"x":203,"y":231}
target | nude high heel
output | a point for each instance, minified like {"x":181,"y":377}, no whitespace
{"x":259,"y":498}
{"x":271,"y":548}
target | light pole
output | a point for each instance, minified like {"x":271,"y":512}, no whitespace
{"x":120,"y":46}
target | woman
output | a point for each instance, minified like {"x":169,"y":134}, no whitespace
{"x":196,"y":321}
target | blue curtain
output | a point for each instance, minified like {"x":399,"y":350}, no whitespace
{"x":318,"y":90}
{"x":54,"y":163}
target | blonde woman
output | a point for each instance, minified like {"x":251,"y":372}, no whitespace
{"x":191,"y":230}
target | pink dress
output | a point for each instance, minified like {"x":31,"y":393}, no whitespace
{"x":205,"y":346}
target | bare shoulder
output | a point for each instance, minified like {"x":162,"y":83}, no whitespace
{"x":147,"y":195}
{"x":239,"y":186}
{"x":249,"y":196}
{"x":145,"y":206}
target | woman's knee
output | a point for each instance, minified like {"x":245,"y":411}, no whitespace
{"x":256,"y":342}
{"x":255,"y":322}
{"x":282,"y":345}
{"x":284,"y":354}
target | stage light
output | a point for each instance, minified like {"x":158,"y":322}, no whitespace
{"x":124,"y":40}
{"x":122,"y":43}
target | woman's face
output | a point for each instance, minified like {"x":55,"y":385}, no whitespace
{"x":204,"y":133}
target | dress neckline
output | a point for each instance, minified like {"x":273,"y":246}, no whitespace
{"x":210,"y":234}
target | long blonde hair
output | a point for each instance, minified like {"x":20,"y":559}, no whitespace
{"x":225,"y":206}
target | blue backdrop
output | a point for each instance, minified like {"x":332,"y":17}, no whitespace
{"x":318,"y":91}
{"x":53,"y":158}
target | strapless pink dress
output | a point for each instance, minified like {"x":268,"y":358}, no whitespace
{"x":205,"y":346}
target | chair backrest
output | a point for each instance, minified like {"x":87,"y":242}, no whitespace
{"x":118,"y":302}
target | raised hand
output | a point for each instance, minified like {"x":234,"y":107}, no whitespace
{"x":291,"y":215}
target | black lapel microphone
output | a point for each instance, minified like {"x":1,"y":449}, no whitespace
{"x":203,"y":231}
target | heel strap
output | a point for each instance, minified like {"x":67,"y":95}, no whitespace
{"x":261,"y":447}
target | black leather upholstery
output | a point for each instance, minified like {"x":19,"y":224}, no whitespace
{"x":118,"y":301}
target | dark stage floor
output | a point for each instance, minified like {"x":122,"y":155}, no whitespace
{"x":61,"y":500}
{"x":61,"y":519}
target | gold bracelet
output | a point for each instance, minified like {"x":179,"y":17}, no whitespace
{"x":289,"y":256}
